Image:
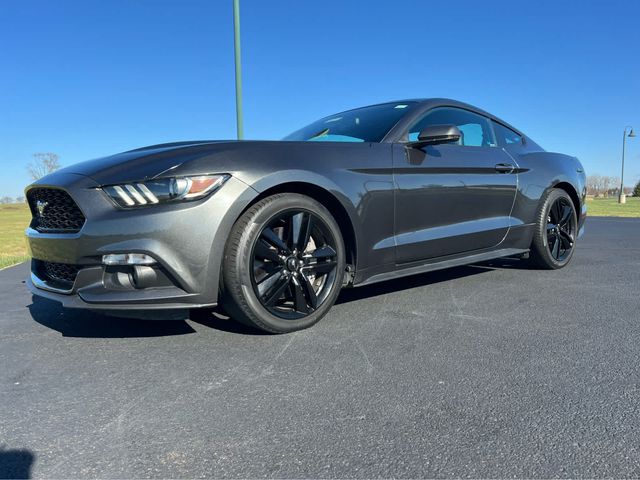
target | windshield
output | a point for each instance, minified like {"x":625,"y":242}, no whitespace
{"x":368,"y":124}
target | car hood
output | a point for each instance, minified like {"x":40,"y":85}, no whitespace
{"x":146,"y":163}
{"x":249,"y":161}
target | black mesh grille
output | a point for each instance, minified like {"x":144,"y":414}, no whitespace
{"x":58,"y":272}
{"x":54,"y":210}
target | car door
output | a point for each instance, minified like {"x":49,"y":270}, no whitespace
{"x":451,"y":198}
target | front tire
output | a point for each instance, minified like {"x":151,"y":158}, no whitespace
{"x":284,"y":264}
{"x":556,"y":231}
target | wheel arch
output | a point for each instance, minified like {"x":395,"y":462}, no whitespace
{"x":571,"y":191}
{"x":326,"y":198}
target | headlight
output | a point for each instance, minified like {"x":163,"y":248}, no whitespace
{"x":164,"y":190}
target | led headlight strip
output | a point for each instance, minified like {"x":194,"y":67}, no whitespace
{"x":163,"y":190}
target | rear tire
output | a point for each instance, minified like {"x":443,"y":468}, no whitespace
{"x":284,"y":264}
{"x":556,"y":231}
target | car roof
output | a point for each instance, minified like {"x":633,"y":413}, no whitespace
{"x":422,"y":104}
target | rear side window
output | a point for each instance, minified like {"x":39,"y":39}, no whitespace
{"x":505,"y":136}
{"x":476,"y":129}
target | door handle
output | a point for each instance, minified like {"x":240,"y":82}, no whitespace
{"x":505,"y":168}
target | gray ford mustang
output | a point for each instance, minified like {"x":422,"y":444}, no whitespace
{"x":272,"y":230}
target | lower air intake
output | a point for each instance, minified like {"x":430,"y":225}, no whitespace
{"x":61,"y":274}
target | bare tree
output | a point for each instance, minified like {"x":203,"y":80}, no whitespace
{"x":20,"y":199}
{"x":591,"y":185}
{"x":5,"y":200}
{"x":606,"y":185}
{"x":614,"y":186}
{"x":601,"y":185}
{"x":43,"y":164}
{"x":594,"y":184}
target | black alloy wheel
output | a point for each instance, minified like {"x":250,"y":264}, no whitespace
{"x":294,"y":264}
{"x":284,"y":264}
{"x":560,"y":229}
{"x":556,"y":231}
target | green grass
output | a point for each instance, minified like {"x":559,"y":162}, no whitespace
{"x":14,"y":218}
{"x":609,"y":207}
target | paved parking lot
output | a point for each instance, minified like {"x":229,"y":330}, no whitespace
{"x":483,"y":371}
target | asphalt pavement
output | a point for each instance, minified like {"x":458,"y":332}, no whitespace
{"x":491,"y":370}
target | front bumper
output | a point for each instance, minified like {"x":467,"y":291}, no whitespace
{"x":187,"y":240}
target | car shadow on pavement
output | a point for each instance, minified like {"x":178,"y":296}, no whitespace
{"x":16,"y":463}
{"x":412,"y":281}
{"x":217,"y":319}
{"x":508,"y":263}
{"x":88,"y":324}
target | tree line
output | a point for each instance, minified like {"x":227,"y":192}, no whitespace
{"x":603,"y":186}
{"x":42,"y":164}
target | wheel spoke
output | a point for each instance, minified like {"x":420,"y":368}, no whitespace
{"x":269,"y":281}
{"x":264,"y":251}
{"x":555,"y":251}
{"x":566,"y":237}
{"x":275,"y":291}
{"x":320,"y":268}
{"x":324,"y":252}
{"x":309,"y":292}
{"x":566,"y":215}
{"x":564,"y":243}
{"x":299,"y":299}
{"x":553,"y":212}
{"x":264,"y":266}
{"x":558,"y":211}
{"x":551,"y":232}
{"x":301,"y":228}
{"x":323,"y":263}
{"x":270,"y":236}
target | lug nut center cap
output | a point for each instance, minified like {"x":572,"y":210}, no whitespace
{"x":292,"y":264}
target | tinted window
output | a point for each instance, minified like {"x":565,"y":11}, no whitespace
{"x":368,"y":124}
{"x":476,"y":130}
{"x":505,"y":136}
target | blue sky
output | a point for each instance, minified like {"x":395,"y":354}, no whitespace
{"x":88,"y":78}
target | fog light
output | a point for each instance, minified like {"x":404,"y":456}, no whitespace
{"x":144,"y":277}
{"x":128,"y":259}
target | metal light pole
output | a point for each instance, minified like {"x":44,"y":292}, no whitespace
{"x":622,"y":198}
{"x":236,"y":43}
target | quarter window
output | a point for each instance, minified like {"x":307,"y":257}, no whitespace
{"x":476,"y":130}
{"x":506,"y":136}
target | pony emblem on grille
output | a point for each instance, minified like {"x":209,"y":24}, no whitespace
{"x":40,"y":205}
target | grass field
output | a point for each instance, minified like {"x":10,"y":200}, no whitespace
{"x":14,"y":218}
{"x":609,"y":207}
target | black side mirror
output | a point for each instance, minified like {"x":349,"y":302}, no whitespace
{"x":437,"y":134}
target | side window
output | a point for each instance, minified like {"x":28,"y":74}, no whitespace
{"x":476,"y":129}
{"x":505,"y":136}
